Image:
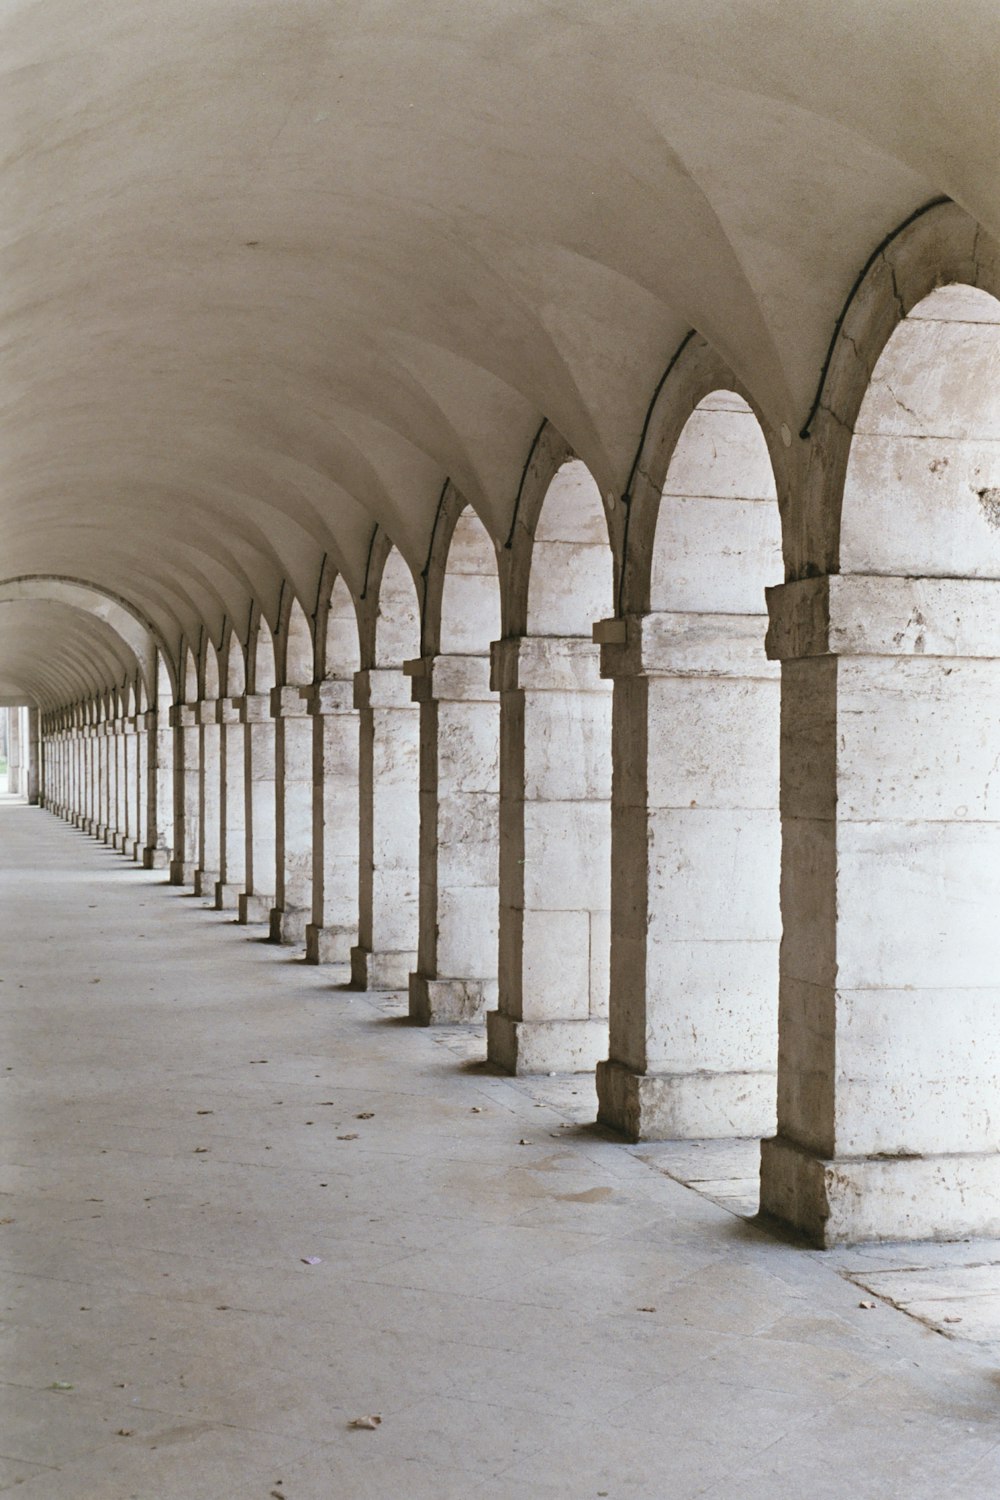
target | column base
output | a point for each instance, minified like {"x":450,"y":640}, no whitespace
{"x":331,"y":946}
{"x":450,"y":1002}
{"x":252,"y":909}
{"x":227,"y":896}
{"x":205,"y":882}
{"x":544,"y":1046}
{"x":181,"y":873}
{"x":685,"y":1106}
{"x":154,"y":858}
{"x":119,"y":841}
{"x":288,"y":924}
{"x":380,"y":971}
{"x":859,"y":1200}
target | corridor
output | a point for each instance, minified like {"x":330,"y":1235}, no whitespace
{"x":242,"y":1208}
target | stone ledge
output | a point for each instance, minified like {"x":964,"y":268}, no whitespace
{"x":544,"y":1046}
{"x":866,"y":615}
{"x":288,"y":925}
{"x":381,"y":971}
{"x":450,"y":1002}
{"x":685,"y":1106}
{"x":860,"y":1200}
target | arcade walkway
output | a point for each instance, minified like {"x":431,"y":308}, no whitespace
{"x":534,"y":1311}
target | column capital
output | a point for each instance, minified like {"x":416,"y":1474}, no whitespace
{"x":381,"y":687}
{"x":253,"y":708}
{"x":546,"y":663}
{"x":227,"y":710}
{"x":882,"y":615}
{"x":183,"y":716}
{"x":207,"y":711}
{"x":669,"y":643}
{"x":333,"y":696}
{"x":289,"y":703}
{"x":451,"y":679}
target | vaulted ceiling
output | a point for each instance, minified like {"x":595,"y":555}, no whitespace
{"x":272,"y":272}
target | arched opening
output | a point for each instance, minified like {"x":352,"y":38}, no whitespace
{"x":257,"y":900}
{"x":555,"y":868}
{"x":333,"y":931}
{"x":694,"y":1017}
{"x":389,"y":874}
{"x":293,"y":784}
{"x":236,"y":676}
{"x":343,"y":655}
{"x":470,"y":595}
{"x":455,"y":979}
{"x":891,"y":880}
{"x":265,"y":674}
{"x":922,"y":491}
{"x":298,"y":648}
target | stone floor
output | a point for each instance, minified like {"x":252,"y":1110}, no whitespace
{"x":240,"y":1209}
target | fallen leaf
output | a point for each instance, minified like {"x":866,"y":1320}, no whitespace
{"x":524,"y":1142}
{"x":366,"y":1114}
{"x":125,"y":1431}
{"x":951,"y":1320}
{"x":7,"y":1221}
{"x":60,"y":1385}
{"x":311,"y":1260}
{"x":204,"y":1111}
{"x":645,"y":1309}
{"x":476,"y":1109}
{"x":869,"y":1306}
{"x":369,"y":1423}
{"x":352,"y":1135}
{"x":200,"y":1150}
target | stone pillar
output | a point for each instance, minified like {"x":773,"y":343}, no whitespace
{"x":106,"y":783}
{"x":119,"y":801}
{"x":555,"y":877}
{"x":14,"y":751}
{"x":89,"y":820}
{"x":51,"y":747}
{"x":455,"y":979}
{"x":33,"y":780}
{"x":256,"y":902}
{"x":333,"y":931}
{"x":67,"y":767}
{"x":890,"y":959}
{"x":695,"y":851}
{"x":76,"y":748}
{"x":207,"y":875}
{"x":159,"y":741}
{"x":187,"y":793}
{"x":232,"y":797}
{"x":388,"y":917}
{"x":139,"y":761}
{"x":292,"y":908}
